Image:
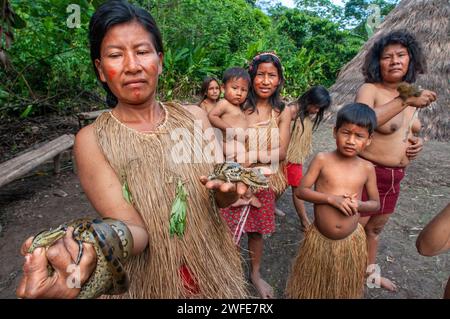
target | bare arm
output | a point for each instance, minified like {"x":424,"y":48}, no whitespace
{"x":104,"y":191}
{"x":305,"y":191}
{"x":216,"y":113}
{"x":434,"y":239}
{"x":373,"y":202}
{"x":367,"y":93}
{"x":103,"y":188}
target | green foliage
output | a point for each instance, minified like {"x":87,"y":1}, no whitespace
{"x":51,"y":67}
{"x":323,"y":48}
{"x":50,"y":61}
{"x":359,"y":13}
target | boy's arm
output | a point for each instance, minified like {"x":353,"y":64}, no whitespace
{"x":373,"y":202}
{"x":215,"y":115}
{"x":306,"y":193}
{"x":435,"y":237}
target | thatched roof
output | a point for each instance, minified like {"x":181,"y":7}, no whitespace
{"x":428,"y":20}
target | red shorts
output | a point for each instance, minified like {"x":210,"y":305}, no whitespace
{"x":388,"y":184}
{"x":293,"y":174}
{"x":260,"y":220}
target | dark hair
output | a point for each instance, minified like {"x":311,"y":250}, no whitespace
{"x":205,"y":85}
{"x":359,"y":114}
{"x":112,"y":13}
{"x":417,"y":64}
{"x":275,"y":100}
{"x":317,"y":95}
{"x":236,"y":73}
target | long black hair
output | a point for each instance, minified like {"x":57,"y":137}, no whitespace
{"x":112,"y":13}
{"x":317,"y":95}
{"x":275,"y":100}
{"x":417,"y":64}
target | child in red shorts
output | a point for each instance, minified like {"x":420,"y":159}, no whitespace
{"x":306,"y":114}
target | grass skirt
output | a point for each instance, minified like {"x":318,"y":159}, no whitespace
{"x":329,"y":269}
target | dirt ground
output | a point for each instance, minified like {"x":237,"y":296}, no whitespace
{"x":42,"y":200}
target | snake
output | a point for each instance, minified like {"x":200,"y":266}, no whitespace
{"x":112,"y":243}
{"x":234,"y":172}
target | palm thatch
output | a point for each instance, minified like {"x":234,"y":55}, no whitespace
{"x":428,"y":21}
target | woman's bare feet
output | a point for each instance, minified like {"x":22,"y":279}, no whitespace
{"x":262,"y":287}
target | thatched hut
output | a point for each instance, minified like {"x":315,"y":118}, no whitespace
{"x":428,"y":20}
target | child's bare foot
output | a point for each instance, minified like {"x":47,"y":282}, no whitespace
{"x":262,"y":287}
{"x":279,"y":212}
{"x":241,"y":202}
{"x":254,"y":201}
{"x":387,"y":284}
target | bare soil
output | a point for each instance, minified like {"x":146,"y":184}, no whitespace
{"x":36,"y":202}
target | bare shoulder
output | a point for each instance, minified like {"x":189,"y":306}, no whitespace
{"x":285,"y":115}
{"x":366,"y":94}
{"x":86,"y":142}
{"x":322,"y":157}
{"x":86,"y":135}
{"x":293,"y":108}
{"x":367,"y":87}
{"x":223,"y":104}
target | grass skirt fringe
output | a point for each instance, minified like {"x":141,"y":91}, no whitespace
{"x":278,"y":181}
{"x":329,"y":269}
{"x":300,"y":145}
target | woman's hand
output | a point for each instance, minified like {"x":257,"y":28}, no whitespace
{"x":414,"y":149}
{"x":226,"y":193}
{"x":36,"y":283}
{"x":425,"y":99}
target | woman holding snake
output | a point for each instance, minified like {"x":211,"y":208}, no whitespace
{"x":132,"y":148}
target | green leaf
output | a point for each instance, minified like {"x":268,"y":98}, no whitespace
{"x":97,"y":3}
{"x":126,"y":193}
{"x":177,"y":220}
{"x":3,"y":94}
{"x":27,"y":111}
{"x":17,"y":22}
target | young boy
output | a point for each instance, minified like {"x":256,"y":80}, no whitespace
{"x":228,"y":116}
{"x":332,"y":259}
